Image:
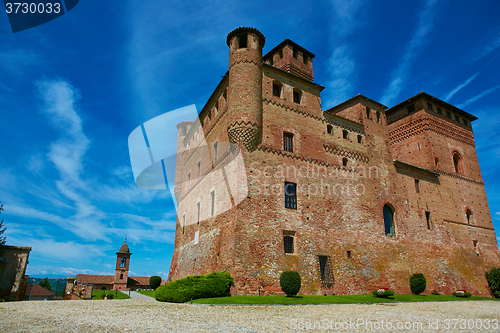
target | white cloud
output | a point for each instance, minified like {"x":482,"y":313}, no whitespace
{"x":421,"y":35}
{"x":41,"y":271}
{"x":479,"y":96}
{"x":460,"y":87}
{"x":341,"y":65}
{"x":492,"y":43}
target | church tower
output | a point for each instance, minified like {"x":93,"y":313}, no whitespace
{"x":122,"y":265}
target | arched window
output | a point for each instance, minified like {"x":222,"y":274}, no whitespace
{"x":121,"y":276}
{"x":436,"y":161}
{"x":468,"y":213}
{"x":458,"y":163}
{"x":388,"y":220}
{"x":122,"y":262}
{"x":329,"y":129}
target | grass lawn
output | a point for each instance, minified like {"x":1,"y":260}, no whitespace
{"x":334,"y":299}
{"x":150,"y":293}
{"x":96,"y":294}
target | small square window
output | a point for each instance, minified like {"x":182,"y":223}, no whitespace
{"x":344,"y":161}
{"x":448,"y":114}
{"x":457,"y":118}
{"x":411,"y":108}
{"x":329,"y":129}
{"x":305,"y":59}
{"x":345,"y":134}
{"x":242,"y":41}
{"x":295,"y":53}
{"x":360,"y":139}
{"x":465,"y":122}
{"x":288,"y":142}
{"x":439,"y":111}
{"x":290,"y":195}
{"x":429,"y":106}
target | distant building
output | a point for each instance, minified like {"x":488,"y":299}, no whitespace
{"x":13,"y":277}
{"x":120,"y":281}
{"x":35,"y":292}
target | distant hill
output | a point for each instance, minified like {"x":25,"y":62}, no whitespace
{"x":58,"y":285}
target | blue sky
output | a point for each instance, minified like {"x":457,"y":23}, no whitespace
{"x":73,"y":89}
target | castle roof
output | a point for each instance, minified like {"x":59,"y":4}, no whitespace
{"x":287,"y":42}
{"x":246,"y":29}
{"x":124,"y":248}
{"x":338,"y":107}
{"x":435,"y":100}
{"x":95,"y":279}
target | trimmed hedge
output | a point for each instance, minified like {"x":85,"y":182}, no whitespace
{"x":493,"y":278}
{"x":154,"y":282}
{"x":193,"y":287}
{"x":290,"y":283}
{"x":417,"y":283}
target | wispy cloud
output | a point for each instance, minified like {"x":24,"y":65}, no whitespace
{"x":460,"y":86}
{"x":490,"y":45}
{"x":341,"y":65}
{"x":42,"y":270}
{"x":421,"y":35}
{"x":479,"y":96}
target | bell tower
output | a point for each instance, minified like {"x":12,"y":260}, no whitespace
{"x":122,"y":266}
{"x":245,"y":87}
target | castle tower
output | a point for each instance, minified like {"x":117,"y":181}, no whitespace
{"x":122,"y":266}
{"x":245,"y":87}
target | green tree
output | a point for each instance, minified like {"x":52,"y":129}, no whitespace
{"x":3,"y":239}
{"x":154,"y":282}
{"x":493,"y":278}
{"x":45,"y":283}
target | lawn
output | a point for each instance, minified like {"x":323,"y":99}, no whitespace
{"x":334,"y":299}
{"x":96,"y":294}
{"x":150,"y":293}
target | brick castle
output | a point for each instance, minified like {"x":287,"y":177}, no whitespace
{"x":354,"y":198}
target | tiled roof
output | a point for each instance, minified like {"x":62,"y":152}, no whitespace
{"x":138,"y":280}
{"x":37,"y":291}
{"x":95,"y":279}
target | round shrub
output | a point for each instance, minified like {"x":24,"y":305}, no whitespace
{"x":193,"y":287}
{"x":154,"y":282}
{"x":417,"y":283}
{"x":290,"y":283}
{"x":493,"y":278}
{"x":110,"y":296}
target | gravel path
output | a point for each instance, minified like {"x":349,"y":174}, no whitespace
{"x":136,"y":295}
{"x":152,"y":316}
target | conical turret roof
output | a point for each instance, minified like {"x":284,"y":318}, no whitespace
{"x":124,"y":248}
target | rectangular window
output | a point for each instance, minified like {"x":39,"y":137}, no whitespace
{"x":411,"y":108}
{"x":368,"y":112}
{"x":305,"y":59}
{"x":243,"y":41}
{"x":417,"y":185}
{"x":276,"y":90}
{"x":360,"y":139}
{"x":212,"y":209}
{"x":288,"y":142}
{"x":457,"y":118}
{"x":295,"y":53}
{"x":428,"y":218}
{"x":448,"y":114}
{"x":280,"y":53}
{"x":296,"y":97}
{"x":198,"y":213}
{"x":290,"y":195}
{"x":348,"y":254}
{"x":465,"y":122}
{"x":326,"y":271}
{"x":288,"y":244}
{"x":439,"y":111}
{"x":429,"y":106}
{"x":378,"y":117}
